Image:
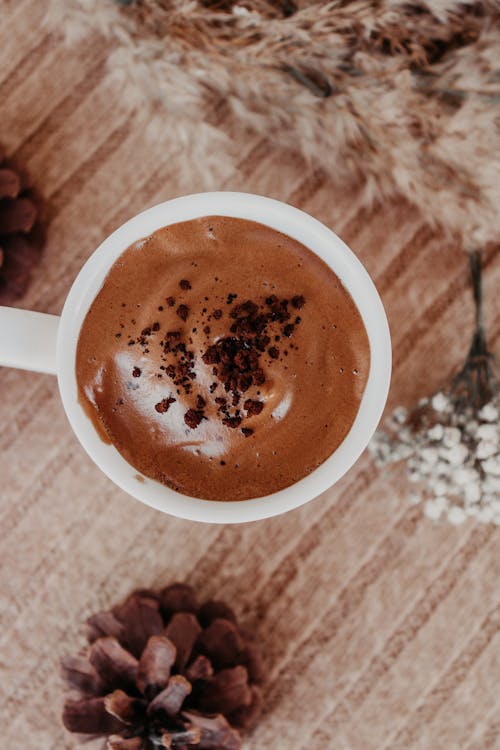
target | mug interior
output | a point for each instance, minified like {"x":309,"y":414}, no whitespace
{"x":288,"y":220}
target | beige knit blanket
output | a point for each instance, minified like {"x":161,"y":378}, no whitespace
{"x":381,"y":630}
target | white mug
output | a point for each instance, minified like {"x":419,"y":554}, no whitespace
{"x":47,"y":343}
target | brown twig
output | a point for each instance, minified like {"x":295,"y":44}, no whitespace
{"x":476,"y":383}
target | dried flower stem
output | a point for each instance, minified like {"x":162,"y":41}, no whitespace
{"x":451,"y":441}
{"x":476,"y":384}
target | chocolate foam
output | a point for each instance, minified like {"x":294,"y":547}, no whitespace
{"x":222,"y":358}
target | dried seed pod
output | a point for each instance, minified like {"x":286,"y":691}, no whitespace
{"x":163,"y":671}
{"x":20,"y":240}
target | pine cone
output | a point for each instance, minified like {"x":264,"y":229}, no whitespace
{"x":20,"y":242}
{"x":163,"y":671}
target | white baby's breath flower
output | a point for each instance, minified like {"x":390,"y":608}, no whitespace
{"x":456,"y":455}
{"x":466,"y":475}
{"x":429,"y":456}
{"x":405,"y":451}
{"x":471,"y":427}
{"x":456,"y":515}
{"x":436,"y":432}
{"x":452,"y":454}
{"x":492,"y":466}
{"x":400,"y":414}
{"x":472,"y":492}
{"x":442,"y":502}
{"x":492,"y":484}
{"x":452,"y":436}
{"x":433,"y":510}
{"x":414,"y":475}
{"x":487,"y":432}
{"x":440,"y":402}
{"x":442,"y":469}
{"x":485,"y":449}
{"x":489,"y":413}
{"x":240,"y":10}
{"x":485,"y":515}
{"x":438,"y":487}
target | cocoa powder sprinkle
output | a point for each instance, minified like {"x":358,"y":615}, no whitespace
{"x":164,"y":405}
{"x":183,"y":312}
{"x":234,"y":358}
{"x":193,"y":418}
{"x":298,"y":301}
{"x":253,"y":407}
{"x":232,"y":422}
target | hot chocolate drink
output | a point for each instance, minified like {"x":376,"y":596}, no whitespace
{"x":222,"y":358}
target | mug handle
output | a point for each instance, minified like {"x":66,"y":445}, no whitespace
{"x":28,"y":340}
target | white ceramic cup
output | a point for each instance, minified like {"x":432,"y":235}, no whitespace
{"x":46,"y":343}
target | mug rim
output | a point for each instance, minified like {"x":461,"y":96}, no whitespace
{"x":320,"y":240}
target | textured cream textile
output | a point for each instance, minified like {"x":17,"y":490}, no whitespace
{"x":381,"y":629}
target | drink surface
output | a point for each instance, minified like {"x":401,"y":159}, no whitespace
{"x":222,"y":358}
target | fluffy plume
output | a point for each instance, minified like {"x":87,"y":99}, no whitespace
{"x":402,"y":96}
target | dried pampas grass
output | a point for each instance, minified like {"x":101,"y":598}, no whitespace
{"x":404,"y":97}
